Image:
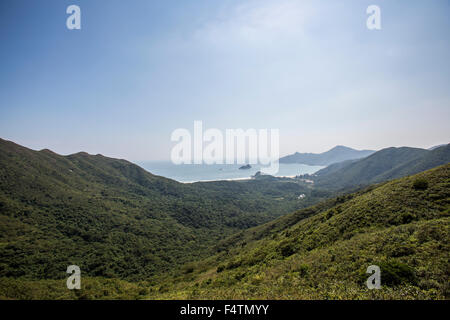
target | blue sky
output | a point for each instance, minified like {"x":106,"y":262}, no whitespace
{"x":137,"y":70}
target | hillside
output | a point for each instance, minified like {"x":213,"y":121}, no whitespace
{"x":436,"y":157}
{"x":116,"y":220}
{"x":381,"y":166}
{"x":136,"y":235}
{"x":337,"y":154}
{"x":401,"y":226}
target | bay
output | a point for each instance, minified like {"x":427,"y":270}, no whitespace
{"x":201,"y":172}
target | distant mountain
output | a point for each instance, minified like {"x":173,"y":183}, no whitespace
{"x":381,"y":166}
{"x":438,"y":146}
{"x":337,"y":154}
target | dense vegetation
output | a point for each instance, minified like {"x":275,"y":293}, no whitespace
{"x":323,"y":252}
{"x":138,"y":236}
{"x":116,"y":220}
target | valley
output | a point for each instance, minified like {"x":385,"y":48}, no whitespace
{"x":140,"y":236}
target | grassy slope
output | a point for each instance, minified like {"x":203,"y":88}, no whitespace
{"x":323,"y":256}
{"x":404,"y":230}
{"x":114,"y":219}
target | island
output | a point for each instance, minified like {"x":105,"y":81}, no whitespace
{"x":246,"y":167}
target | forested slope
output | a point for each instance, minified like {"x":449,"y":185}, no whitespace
{"x":114,"y":219}
{"x":401,"y":226}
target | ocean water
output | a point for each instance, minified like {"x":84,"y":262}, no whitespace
{"x":202,"y":172}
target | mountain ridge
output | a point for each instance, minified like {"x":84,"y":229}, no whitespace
{"x":383,"y":165}
{"x":334,"y":155}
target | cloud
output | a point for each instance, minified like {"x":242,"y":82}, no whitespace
{"x":255,"y":23}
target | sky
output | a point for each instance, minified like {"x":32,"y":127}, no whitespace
{"x":138,"y":70}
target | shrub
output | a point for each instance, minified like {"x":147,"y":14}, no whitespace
{"x":330,"y":214}
{"x":143,"y":292}
{"x":303,"y":270}
{"x":220,"y":268}
{"x":188,"y":269}
{"x":286,"y":249}
{"x":420,"y":184}
{"x":407,"y":217}
{"x":394,"y":273}
{"x":234,"y":264}
{"x":400,"y":250}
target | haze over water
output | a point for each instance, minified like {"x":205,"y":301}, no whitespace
{"x":203,"y":172}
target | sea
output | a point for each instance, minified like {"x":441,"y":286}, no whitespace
{"x":188,"y":173}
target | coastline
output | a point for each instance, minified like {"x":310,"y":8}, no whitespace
{"x":217,"y":180}
{"x":235,"y":179}
{"x":213,"y":173}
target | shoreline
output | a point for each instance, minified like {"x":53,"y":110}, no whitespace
{"x":217,"y":180}
{"x":174,"y":172}
{"x":234,"y":179}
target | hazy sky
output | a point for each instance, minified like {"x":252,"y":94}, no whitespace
{"x":137,"y":70}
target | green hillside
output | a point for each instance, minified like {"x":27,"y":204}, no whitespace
{"x":136,"y":235}
{"x":116,"y":220}
{"x":401,"y":226}
{"x":433,"y":158}
{"x":387,"y":164}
